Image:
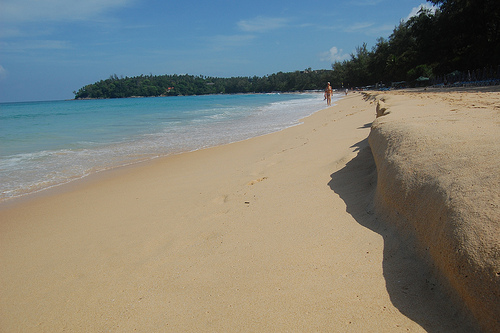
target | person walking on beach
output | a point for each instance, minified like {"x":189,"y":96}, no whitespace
{"x":328,"y":94}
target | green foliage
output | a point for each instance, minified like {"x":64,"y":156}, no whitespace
{"x":461,"y":35}
{"x":174,"y":85}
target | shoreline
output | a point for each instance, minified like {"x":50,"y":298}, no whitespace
{"x":108,"y":172}
{"x":273,"y":233}
{"x":31,"y":185}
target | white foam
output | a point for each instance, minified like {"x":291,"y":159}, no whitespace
{"x":202,"y":128}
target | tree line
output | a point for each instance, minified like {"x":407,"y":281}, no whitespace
{"x":460,"y":35}
{"x":175,"y":85}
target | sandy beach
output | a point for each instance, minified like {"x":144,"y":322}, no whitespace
{"x":289,"y":232}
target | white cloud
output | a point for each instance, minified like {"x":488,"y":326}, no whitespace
{"x":366,"y":2}
{"x":262,"y":24}
{"x":358,"y":26}
{"x":369,"y":28}
{"x":383,"y":29}
{"x":49,"y":44}
{"x":334,"y":54}
{"x":36,"y":45}
{"x":10,"y":32}
{"x":3,"y":73}
{"x":224,"y":41}
{"x":232,"y":39}
{"x":415,"y":10}
{"x":55,"y":10}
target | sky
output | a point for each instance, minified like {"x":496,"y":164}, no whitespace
{"x":50,"y":48}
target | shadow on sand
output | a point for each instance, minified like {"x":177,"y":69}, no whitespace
{"x":409,"y":282}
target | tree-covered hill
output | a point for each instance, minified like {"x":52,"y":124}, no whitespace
{"x":174,"y":85}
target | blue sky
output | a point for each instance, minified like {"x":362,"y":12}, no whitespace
{"x":49,"y":48}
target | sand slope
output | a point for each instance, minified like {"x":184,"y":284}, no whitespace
{"x":438,"y":163}
{"x":273,"y":234}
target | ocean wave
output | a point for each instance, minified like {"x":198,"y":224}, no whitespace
{"x":153,"y":130}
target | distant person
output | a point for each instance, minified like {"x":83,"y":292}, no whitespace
{"x":328,"y":94}
{"x":346,"y":90}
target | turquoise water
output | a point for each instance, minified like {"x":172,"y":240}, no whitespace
{"x":43,"y":144}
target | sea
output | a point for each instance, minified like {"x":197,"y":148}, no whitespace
{"x":46,"y":144}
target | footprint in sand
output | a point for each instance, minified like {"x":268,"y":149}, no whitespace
{"x":256,"y":181}
{"x":222,"y":199}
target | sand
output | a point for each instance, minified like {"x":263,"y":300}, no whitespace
{"x":278,"y":233}
{"x":438,"y":169}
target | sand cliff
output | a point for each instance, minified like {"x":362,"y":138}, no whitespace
{"x":438,"y":182}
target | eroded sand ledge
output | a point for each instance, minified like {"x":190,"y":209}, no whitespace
{"x":438,"y":169}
